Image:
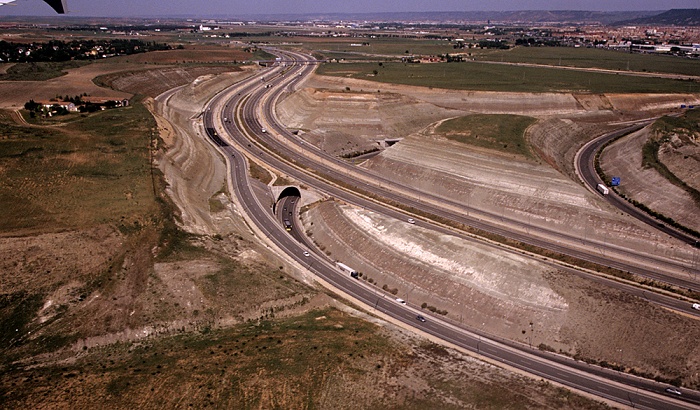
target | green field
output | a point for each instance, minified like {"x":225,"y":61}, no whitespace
{"x":593,"y":58}
{"x":480,"y":76}
{"x":505,"y":133}
{"x":93,"y":170}
{"x":39,"y":71}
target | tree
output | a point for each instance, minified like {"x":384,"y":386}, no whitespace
{"x":31,"y":105}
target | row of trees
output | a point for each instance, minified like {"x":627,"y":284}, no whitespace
{"x":57,"y":50}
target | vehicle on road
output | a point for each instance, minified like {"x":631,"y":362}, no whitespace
{"x":696,"y":306}
{"x":420,"y":318}
{"x":307,"y":254}
{"x":353,"y":273}
{"x":673,"y":390}
{"x":411,"y":220}
{"x":603,"y":189}
{"x":287,"y":225}
{"x":401,"y":301}
{"x":263,"y":130}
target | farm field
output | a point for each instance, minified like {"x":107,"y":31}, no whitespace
{"x":481,"y":76}
{"x":593,"y":58}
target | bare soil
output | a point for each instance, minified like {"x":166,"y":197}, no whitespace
{"x":13,"y":94}
{"x":544,"y":193}
{"x":508,"y":295}
{"x":624,"y":159}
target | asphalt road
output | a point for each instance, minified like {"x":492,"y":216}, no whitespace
{"x":639,"y":393}
{"x":585,"y":164}
{"x":260,"y":109}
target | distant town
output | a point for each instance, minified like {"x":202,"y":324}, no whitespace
{"x":674,"y":32}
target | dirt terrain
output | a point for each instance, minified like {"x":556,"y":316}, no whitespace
{"x":509,"y":295}
{"x":544,"y":193}
{"x":13,"y":94}
{"x":624,"y":159}
{"x":131,"y":312}
{"x":578,"y":315}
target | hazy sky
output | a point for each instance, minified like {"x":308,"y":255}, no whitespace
{"x":197,"y":8}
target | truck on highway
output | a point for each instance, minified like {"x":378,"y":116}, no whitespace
{"x":345,"y":268}
{"x":287,"y":225}
{"x":603,"y":189}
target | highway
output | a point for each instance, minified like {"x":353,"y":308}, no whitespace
{"x":585,"y":166}
{"x":242,"y":100}
{"x":284,"y":146}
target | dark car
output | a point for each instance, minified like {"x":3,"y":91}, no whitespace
{"x":420,"y":318}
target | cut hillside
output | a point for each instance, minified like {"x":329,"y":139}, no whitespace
{"x":152,"y":82}
{"x":646,"y":184}
{"x":506,"y":187}
{"x":506,"y":294}
{"x":347,"y":122}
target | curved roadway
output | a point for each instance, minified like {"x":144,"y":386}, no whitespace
{"x":259,"y":114}
{"x":585,"y":165}
{"x":601,"y":382}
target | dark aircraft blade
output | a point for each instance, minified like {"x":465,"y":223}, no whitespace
{"x":58,"y":5}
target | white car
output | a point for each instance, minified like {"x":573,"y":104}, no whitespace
{"x":264,"y":130}
{"x":673,"y":390}
{"x":401,"y":301}
{"x":696,"y":306}
{"x":411,"y":220}
{"x":307,"y":254}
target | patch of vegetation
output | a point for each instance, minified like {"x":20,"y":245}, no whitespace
{"x":16,"y":312}
{"x":433,"y":309}
{"x":584,"y":57}
{"x":238,"y":287}
{"x":39,"y":71}
{"x":60,"y":51}
{"x":499,"y":132}
{"x":480,"y":76}
{"x":259,"y":173}
{"x":234,"y":368}
{"x":92,"y":170}
{"x":356,"y":154}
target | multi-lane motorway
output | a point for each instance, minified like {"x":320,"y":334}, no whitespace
{"x":249,"y":103}
{"x":259,"y":114}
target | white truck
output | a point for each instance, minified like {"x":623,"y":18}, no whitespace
{"x":346,"y":268}
{"x":603,"y":189}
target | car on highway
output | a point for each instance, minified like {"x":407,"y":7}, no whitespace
{"x":696,"y":306}
{"x":673,"y":390}
{"x":401,"y":301}
{"x":306,"y":254}
{"x":420,"y":318}
{"x":263,"y":130}
{"x":411,"y":220}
